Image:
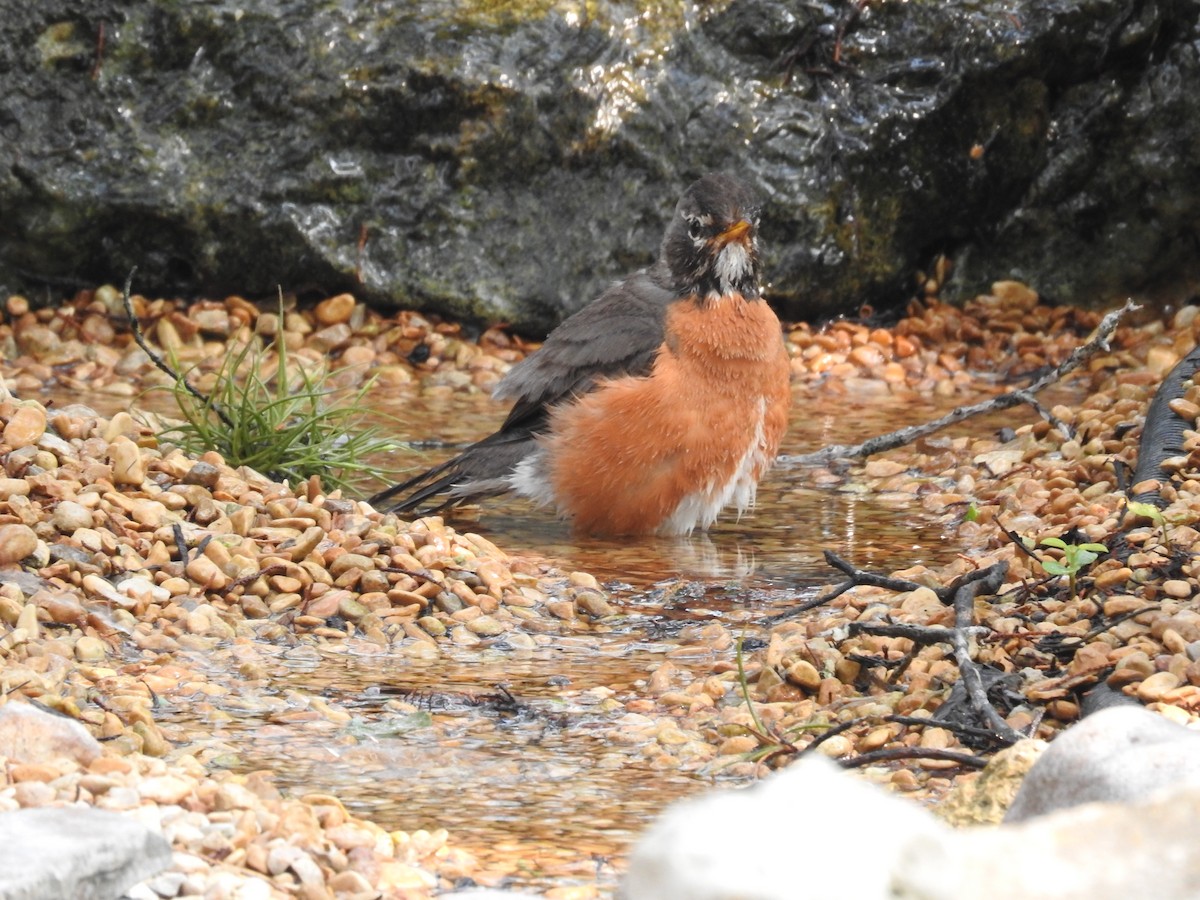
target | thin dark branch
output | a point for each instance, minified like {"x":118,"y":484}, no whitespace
{"x":899,"y":438}
{"x":158,"y":360}
{"x":964,"y":618}
{"x":913,"y":721}
{"x":894,"y":753}
{"x":960,"y":730}
{"x":876,"y":661}
{"x":422,"y":574}
{"x":869,"y":579}
{"x":1020,"y":545}
{"x":1036,"y":405}
{"x":988,"y":575}
{"x":806,"y":606}
{"x":250,"y":577}
{"x":961,"y":593}
{"x":826,"y":735}
{"x":856,"y":577}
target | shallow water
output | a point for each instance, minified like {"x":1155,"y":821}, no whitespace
{"x":778,"y":543}
{"x":536,"y":788}
{"x":542,"y":794}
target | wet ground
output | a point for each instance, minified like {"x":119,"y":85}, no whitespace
{"x":512,"y":725}
{"x":511,"y":750}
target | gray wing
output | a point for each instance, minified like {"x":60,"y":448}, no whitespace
{"x":618,"y":333}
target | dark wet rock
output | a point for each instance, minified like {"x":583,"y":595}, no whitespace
{"x":75,"y":851}
{"x":202,"y":473}
{"x":505,"y":162}
{"x":1163,"y":431}
{"x":1120,"y":754}
{"x":1103,"y":697}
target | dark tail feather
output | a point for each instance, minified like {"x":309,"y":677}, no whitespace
{"x":429,"y":483}
{"x":479,"y":471}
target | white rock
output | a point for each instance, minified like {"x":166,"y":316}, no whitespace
{"x":746,"y":843}
{"x":75,"y":851}
{"x":813,"y":831}
{"x":30,"y":735}
{"x":1123,"y":753}
{"x":1098,"y":851}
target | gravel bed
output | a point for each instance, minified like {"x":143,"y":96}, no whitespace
{"x":124,"y":563}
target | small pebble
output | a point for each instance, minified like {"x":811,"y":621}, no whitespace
{"x":128,"y":467}
{"x":16,"y":543}
{"x":25,"y":427}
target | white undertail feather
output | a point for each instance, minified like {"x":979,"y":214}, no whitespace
{"x":530,"y":479}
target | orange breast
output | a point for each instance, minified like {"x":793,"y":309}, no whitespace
{"x":664,"y":452}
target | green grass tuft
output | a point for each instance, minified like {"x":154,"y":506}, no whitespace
{"x":286,"y":426}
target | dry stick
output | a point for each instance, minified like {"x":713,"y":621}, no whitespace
{"x":830,"y":732}
{"x":961,"y":593}
{"x":855,"y":577}
{"x":949,"y":726}
{"x":904,"y":436}
{"x":158,"y":360}
{"x":893,"y":753}
{"x":861,"y":759}
{"x":964,"y":617}
{"x":918,"y":634}
{"x":869,"y":579}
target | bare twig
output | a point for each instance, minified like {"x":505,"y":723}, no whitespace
{"x":855,"y":578}
{"x":960,"y":730}
{"x":826,"y":735}
{"x":918,"y":634}
{"x":869,"y":579}
{"x":158,"y":360}
{"x":899,"y":438}
{"x":893,"y":753}
{"x":806,"y":606}
{"x":988,"y":575}
{"x":1036,"y":405}
{"x":858,"y":577}
{"x":961,"y":594}
{"x":964,"y":618}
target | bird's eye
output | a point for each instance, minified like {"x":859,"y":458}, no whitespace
{"x":695,"y":229}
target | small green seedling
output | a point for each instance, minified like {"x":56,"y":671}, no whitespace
{"x":1076,"y":557}
{"x":1148,"y":511}
{"x":1154,"y":514}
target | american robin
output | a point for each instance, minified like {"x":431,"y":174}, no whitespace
{"x":654,"y":407}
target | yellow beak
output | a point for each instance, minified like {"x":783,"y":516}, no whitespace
{"x":735,"y":232}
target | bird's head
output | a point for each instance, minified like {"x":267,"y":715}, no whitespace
{"x":711,"y":245}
